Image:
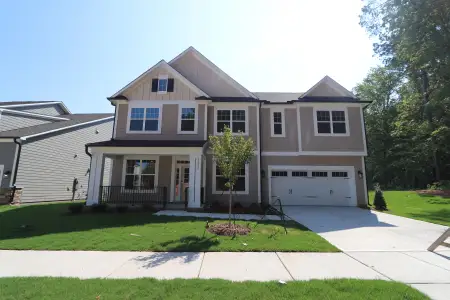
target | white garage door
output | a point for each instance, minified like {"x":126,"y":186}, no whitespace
{"x":313,"y":187}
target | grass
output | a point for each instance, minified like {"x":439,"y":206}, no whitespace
{"x":433,"y":209}
{"x":49,"y":227}
{"x":196,"y":289}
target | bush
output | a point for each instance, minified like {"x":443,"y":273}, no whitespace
{"x":378,"y":201}
{"x":255,"y":208}
{"x":99,"y":208}
{"x":121,"y":208}
{"x":76,"y":208}
{"x":440,"y":185}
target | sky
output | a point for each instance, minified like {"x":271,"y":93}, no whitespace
{"x":81,"y":52}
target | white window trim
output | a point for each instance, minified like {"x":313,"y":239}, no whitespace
{"x":214,"y":188}
{"x":145,"y":105}
{"x":167,"y":85}
{"x":231,"y":116}
{"x":180,"y":108}
{"x":141,"y":157}
{"x":272,"y":123}
{"x":347,"y":127}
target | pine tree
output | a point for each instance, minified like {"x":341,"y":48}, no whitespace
{"x":378,"y":201}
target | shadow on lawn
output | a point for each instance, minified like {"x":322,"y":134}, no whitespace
{"x":36,"y":220}
{"x":441,"y":216}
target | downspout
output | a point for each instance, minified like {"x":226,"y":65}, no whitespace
{"x":90,"y":162}
{"x":367,"y":149}
{"x":260,"y":151}
{"x":16,"y":167}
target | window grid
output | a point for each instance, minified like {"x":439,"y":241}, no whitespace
{"x":331,"y":122}
{"x":299,"y":174}
{"x":277,"y":123}
{"x":339,"y":174}
{"x":235,"y":119}
{"x":144,"y":119}
{"x":187,"y":119}
{"x":140,"y":174}
{"x":319,"y":174}
{"x":240,"y":185}
{"x":162,"y":84}
{"x":279,"y":173}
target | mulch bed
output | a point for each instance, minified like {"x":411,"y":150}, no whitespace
{"x":442,"y":193}
{"x":228,"y":230}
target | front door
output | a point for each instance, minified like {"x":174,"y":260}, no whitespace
{"x":181,"y":182}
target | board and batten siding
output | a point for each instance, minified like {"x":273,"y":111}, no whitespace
{"x":11,"y":121}
{"x":48,"y":109}
{"x":7,"y":152}
{"x":48,"y":165}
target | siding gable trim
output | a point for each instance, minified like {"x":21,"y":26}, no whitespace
{"x":66,"y":110}
{"x":24,"y":113}
{"x":340,"y":90}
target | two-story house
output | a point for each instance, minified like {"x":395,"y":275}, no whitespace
{"x":309,"y":146}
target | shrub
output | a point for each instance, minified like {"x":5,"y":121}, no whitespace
{"x":440,"y":185}
{"x":99,"y":208}
{"x":76,"y":208}
{"x":255,"y":208}
{"x":378,"y":201}
{"x":121,"y":208}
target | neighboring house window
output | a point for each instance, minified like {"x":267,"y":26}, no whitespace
{"x":331,"y":122}
{"x":240,"y":184}
{"x":277,"y":123}
{"x":187,"y":120}
{"x":232,"y":118}
{"x":144,"y":119}
{"x":140,"y":174}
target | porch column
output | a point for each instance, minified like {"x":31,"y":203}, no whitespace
{"x":95,"y":178}
{"x":195,"y":180}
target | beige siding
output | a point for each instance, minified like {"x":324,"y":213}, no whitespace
{"x":323,"y":90}
{"x":165,"y":172}
{"x":48,"y":165}
{"x":205,"y":78}
{"x":117,"y":167}
{"x":289,"y":143}
{"x":244,"y":200}
{"x":310,"y":142}
{"x":354,"y":161}
{"x":169,"y":125}
{"x":142,"y":89}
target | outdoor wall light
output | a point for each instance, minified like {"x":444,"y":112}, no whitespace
{"x":7,"y":174}
{"x":360,"y":174}
{"x":263,"y":173}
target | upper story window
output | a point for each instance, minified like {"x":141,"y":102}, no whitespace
{"x":277,"y":123}
{"x":163,"y":84}
{"x":331,"y":122}
{"x":235,"y":119}
{"x":145,"y":120}
{"x":187,"y":120}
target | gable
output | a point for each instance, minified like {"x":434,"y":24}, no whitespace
{"x":44,"y":109}
{"x":207,"y":76}
{"x":141,"y":88}
{"x":328,"y":87}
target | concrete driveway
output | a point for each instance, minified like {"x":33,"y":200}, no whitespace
{"x":355,"y":229}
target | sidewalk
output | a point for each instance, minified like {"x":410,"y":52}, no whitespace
{"x":426,"y":271}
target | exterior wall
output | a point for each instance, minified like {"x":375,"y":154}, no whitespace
{"x":323,"y":90}
{"x":7,"y":153}
{"x":310,"y":142}
{"x":142,"y":90}
{"x":169,"y":125}
{"x":204,"y":77}
{"x":48,"y":165}
{"x":117,"y":167}
{"x":288,"y":143}
{"x":49,"y":109}
{"x":243,"y":199}
{"x":354,"y":161}
{"x":11,"y":121}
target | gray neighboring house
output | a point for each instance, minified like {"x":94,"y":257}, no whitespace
{"x":42,"y":149}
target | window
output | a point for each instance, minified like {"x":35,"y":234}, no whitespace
{"x":299,"y":174}
{"x":240,"y":185}
{"x":331,"y":122}
{"x":187,"y":121}
{"x":162,"y":84}
{"x":339,"y":174}
{"x":140,"y":174}
{"x":279,"y":173}
{"x":144,"y":119}
{"x":319,"y":174}
{"x":232,"y":118}
{"x":277,"y":123}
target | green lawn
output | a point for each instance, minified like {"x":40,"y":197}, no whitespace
{"x":409,"y":204}
{"x":49,"y":227}
{"x":195,"y":289}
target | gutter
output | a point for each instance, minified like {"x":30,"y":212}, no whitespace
{"x":23,"y":113}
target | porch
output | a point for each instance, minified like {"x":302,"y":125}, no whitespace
{"x":162,"y":176}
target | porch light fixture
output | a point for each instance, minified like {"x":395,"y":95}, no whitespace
{"x":7,"y":174}
{"x":360,"y":174}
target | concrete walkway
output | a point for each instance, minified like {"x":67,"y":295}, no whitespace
{"x":426,"y":271}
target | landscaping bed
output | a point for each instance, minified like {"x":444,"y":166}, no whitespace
{"x":196,"y":289}
{"x":51,"y":227}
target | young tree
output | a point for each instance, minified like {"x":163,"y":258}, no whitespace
{"x":231,"y":153}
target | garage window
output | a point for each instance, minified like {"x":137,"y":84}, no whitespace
{"x":299,"y":174}
{"x":319,"y":174}
{"x":339,"y":174}
{"x":331,"y":122}
{"x":279,"y":174}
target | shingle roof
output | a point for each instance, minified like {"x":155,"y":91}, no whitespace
{"x":7,"y":103}
{"x":74,"y":119}
{"x":148,"y":143}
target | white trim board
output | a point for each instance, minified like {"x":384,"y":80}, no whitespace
{"x":146,"y":150}
{"x":2,"y":167}
{"x":315,"y":153}
{"x":25,"y":113}
{"x":196,"y":118}
{"x":62,"y":105}
{"x":163,"y":63}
